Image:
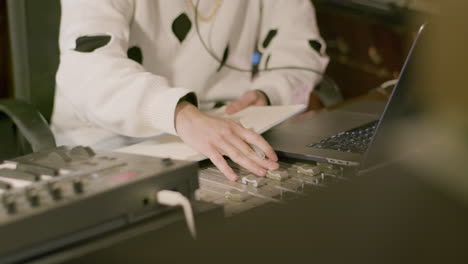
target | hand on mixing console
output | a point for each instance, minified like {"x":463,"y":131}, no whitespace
{"x":216,"y":137}
{"x":250,"y":98}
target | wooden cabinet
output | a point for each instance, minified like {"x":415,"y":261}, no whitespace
{"x":365,"y":48}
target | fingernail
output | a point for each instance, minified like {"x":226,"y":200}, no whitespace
{"x":233,"y":178}
{"x":261,"y":172}
{"x":273,"y":166}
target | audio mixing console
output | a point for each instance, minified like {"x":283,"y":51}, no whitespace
{"x":57,"y":197}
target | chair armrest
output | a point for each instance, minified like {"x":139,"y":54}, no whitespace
{"x":31,"y":124}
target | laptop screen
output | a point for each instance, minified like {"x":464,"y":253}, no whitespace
{"x":403,"y":105}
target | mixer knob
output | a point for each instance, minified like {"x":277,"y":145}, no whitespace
{"x":33,"y":196}
{"x":55,"y":189}
{"x":9,"y":202}
{"x":79,"y":185}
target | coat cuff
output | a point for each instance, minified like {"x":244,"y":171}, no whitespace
{"x":160,"y":113}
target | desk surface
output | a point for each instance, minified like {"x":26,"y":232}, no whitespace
{"x":155,"y":229}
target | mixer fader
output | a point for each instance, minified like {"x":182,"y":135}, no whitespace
{"x":293,"y":179}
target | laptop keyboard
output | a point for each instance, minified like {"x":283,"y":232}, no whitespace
{"x":355,"y":140}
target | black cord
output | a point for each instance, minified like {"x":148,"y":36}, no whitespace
{"x":325,"y":77}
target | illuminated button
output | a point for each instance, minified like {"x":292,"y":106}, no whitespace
{"x":253,"y":181}
{"x":308,"y":170}
{"x":278,"y":175}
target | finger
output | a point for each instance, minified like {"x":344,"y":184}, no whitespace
{"x":231,"y":109}
{"x":246,"y":100}
{"x":253,"y":138}
{"x":222,"y":165}
{"x":251,"y":154}
{"x":236,"y":106}
{"x":262,"y":99}
{"x":259,"y":103}
{"x":240,"y":158}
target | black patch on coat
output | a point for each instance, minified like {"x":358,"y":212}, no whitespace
{"x":91,"y":43}
{"x":191,"y":98}
{"x":225,"y":57}
{"x":317,"y":46}
{"x":267,"y":61}
{"x":134,"y":53}
{"x":181,"y":27}
{"x":270,"y":36}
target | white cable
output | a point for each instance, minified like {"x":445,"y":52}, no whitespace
{"x":384,"y":86}
{"x":388,"y":83}
{"x":172,"y":198}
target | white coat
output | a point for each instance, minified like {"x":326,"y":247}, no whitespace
{"x":104,"y":98}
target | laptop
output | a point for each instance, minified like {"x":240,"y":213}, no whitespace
{"x":346,"y":135}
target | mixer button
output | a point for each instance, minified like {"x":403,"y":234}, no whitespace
{"x":82,"y":152}
{"x":308,"y":170}
{"x":253,"y":181}
{"x":278,"y":175}
{"x":236,"y":195}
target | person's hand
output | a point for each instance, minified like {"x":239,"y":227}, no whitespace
{"x":250,"y":98}
{"x":216,"y":137}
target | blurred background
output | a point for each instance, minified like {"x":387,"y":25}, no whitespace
{"x":5,"y":73}
{"x":368,"y":40}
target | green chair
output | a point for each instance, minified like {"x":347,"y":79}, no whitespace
{"x":33,"y":30}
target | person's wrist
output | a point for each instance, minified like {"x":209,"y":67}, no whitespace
{"x":184,"y":112}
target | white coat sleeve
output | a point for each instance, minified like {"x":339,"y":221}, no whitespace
{"x":104,"y":87}
{"x":289,"y":37}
